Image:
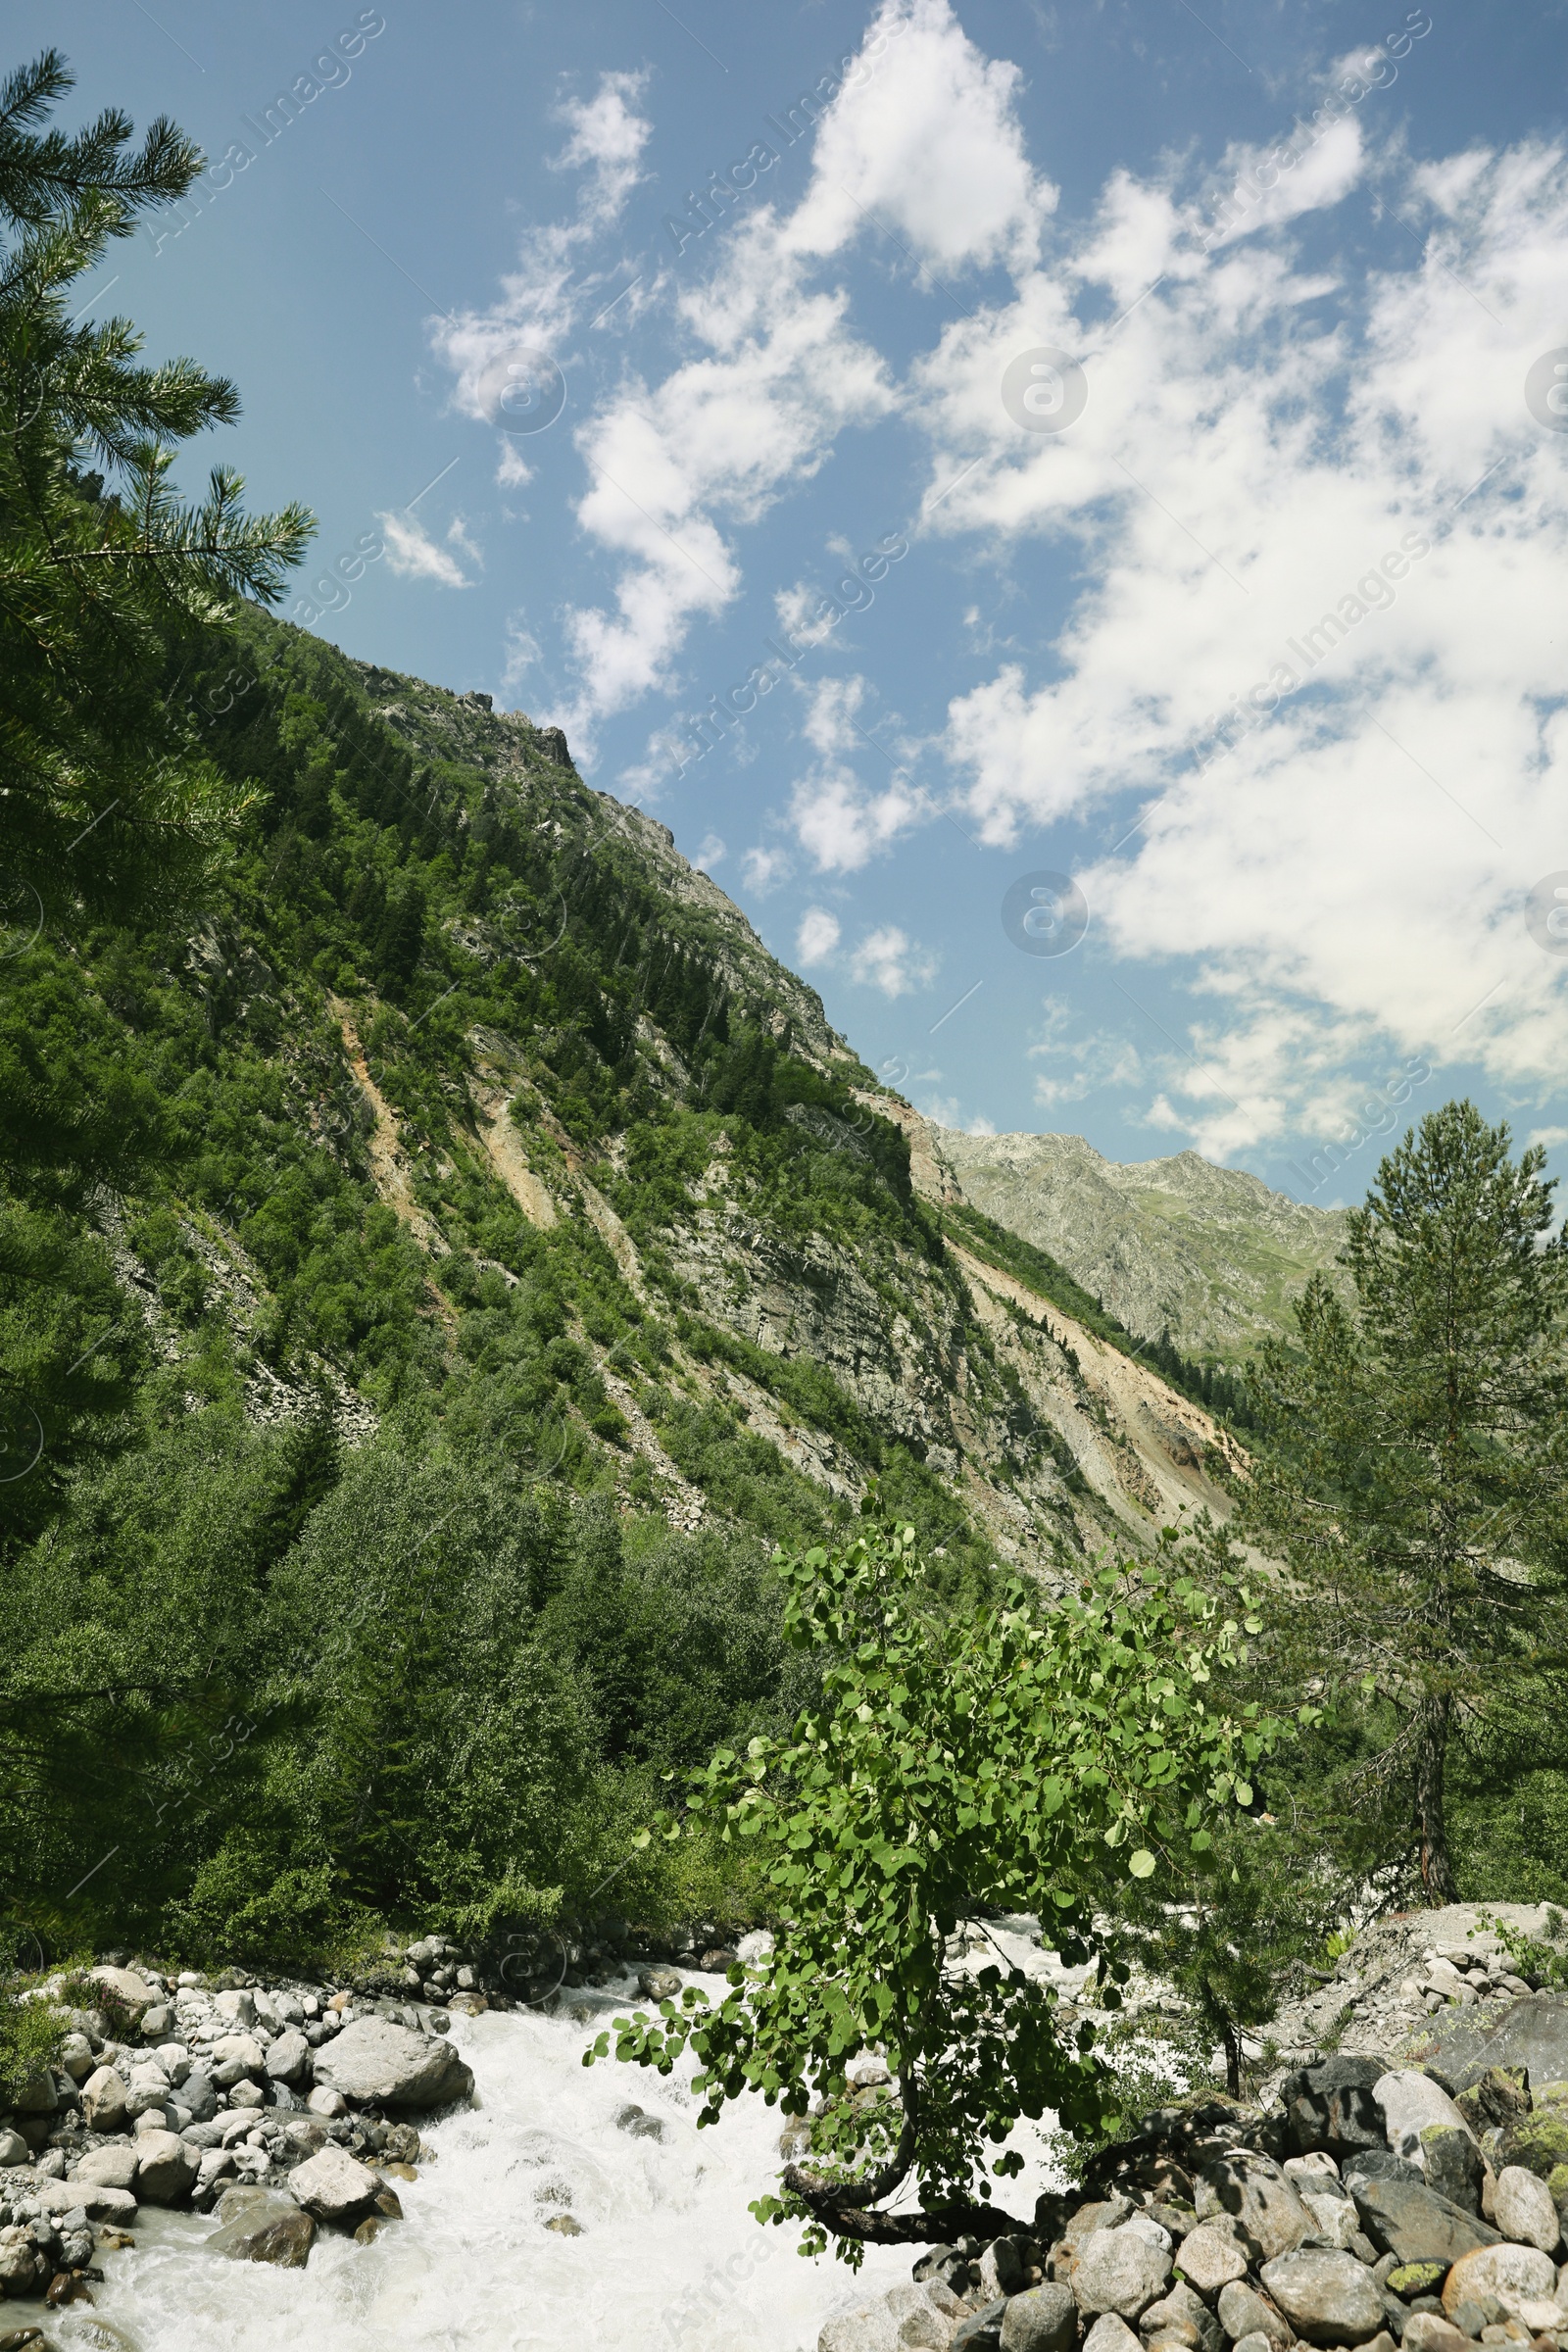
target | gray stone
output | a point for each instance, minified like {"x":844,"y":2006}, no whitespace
{"x":1525,"y":2210}
{"x":869,"y":2328}
{"x":166,"y":2169}
{"x":374,"y":2059}
{"x":1254,"y":2191}
{"x":112,"y":2166}
{"x":125,"y":1991}
{"x":335,"y":2187}
{"x":236,"y":2055}
{"x":1243,"y":2312}
{"x":289,"y":2058}
{"x":1043,"y":2318}
{"x":98,"y":2202}
{"x":156,"y":2021}
{"x":1406,"y":2219}
{"x":76,"y":2056}
{"x":237,"y":2004}
{"x":1211,"y":2256}
{"x":103,"y":2101}
{"x":274,"y":2230}
{"x":1453,"y":2165}
{"x":921,"y":2324}
{"x":14,"y":2149}
{"x":1430,"y":2331}
{"x":1532,"y":2033}
{"x":246,"y":2093}
{"x":980,"y":2334}
{"x":37,"y":2095}
{"x":1111,"y":2335}
{"x":1119,"y":2271}
{"x":1254,"y":2343}
{"x":1003,"y":2270}
{"x":1328,"y":2296}
{"x":1333,"y":2209}
{"x":1410,"y":2102}
{"x":147,"y":2092}
{"x":1180,"y":2312}
{"x":199,"y":2092}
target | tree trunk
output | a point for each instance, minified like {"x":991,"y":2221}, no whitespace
{"x":1233,"y":2058}
{"x":1430,"y":1757}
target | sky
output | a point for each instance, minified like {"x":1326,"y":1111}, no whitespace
{"x":1061,"y":510}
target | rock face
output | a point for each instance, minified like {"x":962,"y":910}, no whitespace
{"x":1327,"y":2298}
{"x":374,"y":2059}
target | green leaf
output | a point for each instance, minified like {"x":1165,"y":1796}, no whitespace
{"x":1142,"y":1863}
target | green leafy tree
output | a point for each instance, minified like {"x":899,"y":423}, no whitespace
{"x":105,"y":798}
{"x":1414,"y":1488}
{"x":1018,"y":1759}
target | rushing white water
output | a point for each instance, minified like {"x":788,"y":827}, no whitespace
{"x":669,"y":2259}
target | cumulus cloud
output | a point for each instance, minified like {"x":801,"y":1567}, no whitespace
{"x":888,"y":959}
{"x":818,"y":938}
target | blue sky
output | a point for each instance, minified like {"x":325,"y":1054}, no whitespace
{"x":1121,"y":444}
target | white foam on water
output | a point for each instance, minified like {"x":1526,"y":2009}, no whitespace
{"x":669,"y":2259}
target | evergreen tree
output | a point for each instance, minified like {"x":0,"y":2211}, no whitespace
{"x":1414,"y":1490}
{"x":105,"y":798}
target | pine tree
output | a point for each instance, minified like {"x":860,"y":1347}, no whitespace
{"x":1414,"y":1488}
{"x":105,"y":798}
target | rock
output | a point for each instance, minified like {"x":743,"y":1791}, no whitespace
{"x":147,"y":2092}
{"x":1043,"y":2318}
{"x":1255,"y":2192}
{"x":112,"y":2166}
{"x":1408,"y":2220}
{"x":1428,"y":2332}
{"x":1184,"y":2314}
{"x":121,"y":1990}
{"x":235,"y":2055}
{"x":199,"y":2093}
{"x":1111,"y":2335}
{"x":919,"y":2324}
{"x":164,"y":2168}
{"x":1154,"y":2230}
{"x":1099,"y":2214}
{"x":76,"y":2056}
{"x":289,"y":2058}
{"x":237,"y":2005}
{"x":96,"y":2199}
{"x":1514,"y":2274}
{"x":1327,"y":2296}
{"x":1495,"y":2094}
{"x":1540,"y":2140}
{"x":14,"y":2149}
{"x":1333,"y":2210}
{"x":374,"y":2059}
{"x":246,"y":2093}
{"x":335,"y":2187}
{"x":1411,"y":2103}
{"x":103,"y":2101}
{"x":1318,"y":2165}
{"x":272,"y":2229}
{"x":1453,"y":2165}
{"x":1003,"y":2270}
{"x":331,"y":2104}
{"x":1210,"y":2257}
{"x":658,"y":1983}
{"x":1243,"y":2312}
{"x":980,"y":2334}
{"x":1254,"y":2343}
{"x":1525,"y":2209}
{"x":1121,"y":2271}
{"x":156,"y":2021}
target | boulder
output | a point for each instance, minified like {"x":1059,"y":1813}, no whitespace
{"x":1333,"y":2209}
{"x":1329,"y":2106}
{"x":1002,"y":2268}
{"x":1532,"y":2032}
{"x":198,"y":2094}
{"x":374,"y":2059}
{"x":103,"y":2101}
{"x":237,"y":2004}
{"x":1453,"y":2165}
{"x":334,"y":2187}
{"x":1243,"y":2312}
{"x":273,"y":2229}
{"x":1254,"y":2343}
{"x":122,"y":1990}
{"x":1210,"y":2257}
{"x":1111,"y":2335}
{"x":981,"y":2332}
{"x":1492,"y":2094}
{"x":869,"y":2328}
{"x":1409,"y":2102}
{"x":289,"y":2058}
{"x":112,"y":2166}
{"x":76,"y":2056}
{"x":1329,"y":2297}
{"x":97,"y":2201}
{"x":331,"y":2103}
{"x":236,"y":2055}
{"x":1043,"y":2318}
{"x":1411,"y":2222}
{"x":166,"y":2169}
{"x":147,"y":2092}
{"x":1181,"y":2313}
{"x":920,"y":2323}
{"x":1428,"y":2331}
{"x":1514,"y":2274}
{"x":14,"y":2149}
{"x":1525,"y":2209}
{"x":1540,"y":2140}
{"x":1407,"y":2279}
{"x":1099,"y":2214}
{"x":1119,"y":2271}
{"x":1254,"y":2191}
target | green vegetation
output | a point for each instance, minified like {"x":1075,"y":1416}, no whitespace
{"x":1016,"y":1758}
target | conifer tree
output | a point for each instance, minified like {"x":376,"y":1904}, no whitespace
{"x":105,"y":798}
{"x":1414,"y":1488}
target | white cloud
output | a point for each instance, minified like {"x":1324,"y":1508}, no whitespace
{"x":413,"y":555}
{"x":888,"y":959}
{"x":946,"y":1111}
{"x":710,"y":851}
{"x":1266,"y":187}
{"x":764,"y":869}
{"x":609,"y":136}
{"x":818,"y":938}
{"x":926,"y":136}
{"x":522,"y":651}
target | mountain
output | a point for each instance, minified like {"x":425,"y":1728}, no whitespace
{"x":496,"y":1112}
{"x":1209,"y":1253}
